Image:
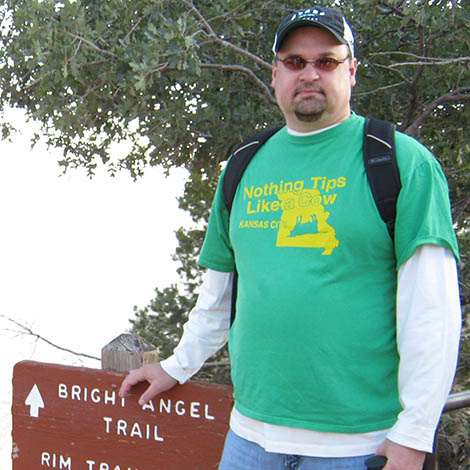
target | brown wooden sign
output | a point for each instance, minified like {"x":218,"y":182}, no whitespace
{"x":72,"y":418}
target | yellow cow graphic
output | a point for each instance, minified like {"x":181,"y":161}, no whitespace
{"x":303,"y":221}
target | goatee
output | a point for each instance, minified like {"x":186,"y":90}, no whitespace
{"x":309,"y":108}
{"x":308,"y":117}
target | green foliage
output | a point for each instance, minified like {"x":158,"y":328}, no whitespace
{"x":172,"y":309}
{"x":184,"y":81}
{"x":152,"y":73}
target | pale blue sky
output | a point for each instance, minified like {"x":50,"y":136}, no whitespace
{"x":76,"y":256}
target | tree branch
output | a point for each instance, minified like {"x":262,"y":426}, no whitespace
{"x":459,"y":208}
{"x":160,"y":68}
{"x":223,"y":42}
{"x":432,"y":61}
{"x":224,"y":67}
{"x":457,"y":96}
{"x":37,"y":81}
{"x":89,"y":43}
{"x":404,"y":78}
{"x":28,"y":331}
{"x":381,"y":88}
{"x":421,"y":60}
{"x":231,"y":13}
{"x":245,"y":70}
{"x":127,"y":36}
{"x":412,"y":86}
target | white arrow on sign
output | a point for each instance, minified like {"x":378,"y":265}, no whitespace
{"x":34,"y":401}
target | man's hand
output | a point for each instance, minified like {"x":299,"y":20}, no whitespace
{"x":155,"y":375}
{"x":400,"y":457}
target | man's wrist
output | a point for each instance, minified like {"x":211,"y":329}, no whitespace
{"x":172,"y":368}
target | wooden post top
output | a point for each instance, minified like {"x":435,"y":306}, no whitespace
{"x":127,"y":352}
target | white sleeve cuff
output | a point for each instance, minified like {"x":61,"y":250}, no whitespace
{"x":171,"y":367}
{"x":415,"y":437}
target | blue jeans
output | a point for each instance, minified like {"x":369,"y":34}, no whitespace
{"x":240,"y":454}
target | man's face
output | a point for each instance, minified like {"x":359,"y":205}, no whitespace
{"x":311,"y":98}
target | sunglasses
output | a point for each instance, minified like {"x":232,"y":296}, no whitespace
{"x":296,"y":63}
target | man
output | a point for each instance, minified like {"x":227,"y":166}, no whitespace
{"x":345,"y":342}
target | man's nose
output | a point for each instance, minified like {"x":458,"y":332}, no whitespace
{"x":309,"y":72}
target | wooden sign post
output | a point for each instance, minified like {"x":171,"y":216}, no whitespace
{"x":73,"y":418}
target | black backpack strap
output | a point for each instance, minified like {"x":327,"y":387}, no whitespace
{"x":236,"y":166}
{"x":382,"y":169}
{"x":241,"y":157}
{"x":233,"y":302}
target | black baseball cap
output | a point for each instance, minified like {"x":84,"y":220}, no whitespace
{"x":329,"y":19}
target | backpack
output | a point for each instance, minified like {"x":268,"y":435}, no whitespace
{"x":379,"y":161}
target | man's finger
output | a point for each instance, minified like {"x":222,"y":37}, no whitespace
{"x":133,"y":378}
{"x":156,"y":387}
{"x":150,"y":392}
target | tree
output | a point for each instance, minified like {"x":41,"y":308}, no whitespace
{"x":185,"y":80}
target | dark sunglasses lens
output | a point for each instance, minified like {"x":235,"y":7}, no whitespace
{"x":326,"y":64}
{"x":295,"y":63}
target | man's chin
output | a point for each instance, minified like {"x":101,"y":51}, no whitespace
{"x":308,"y":117}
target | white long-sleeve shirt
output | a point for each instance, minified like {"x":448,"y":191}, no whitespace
{"x":428,"y":332}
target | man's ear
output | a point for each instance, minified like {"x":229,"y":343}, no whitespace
{"x":352,"y":71}
{"x":273,"y":72}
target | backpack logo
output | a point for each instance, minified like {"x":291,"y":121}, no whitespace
{"x":382,"y":160}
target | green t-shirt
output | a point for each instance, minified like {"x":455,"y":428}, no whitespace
{"x":314,"y":341}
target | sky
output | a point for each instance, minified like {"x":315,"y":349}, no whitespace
{"x":76,"y":256}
